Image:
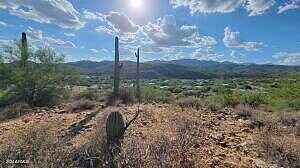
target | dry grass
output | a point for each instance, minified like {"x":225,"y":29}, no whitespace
{"x":88,"y":95}
{"x":281,"y":147}
{"x":125,"y":97}
{"x":244,"y":111}
{"x":14,"y":111}
{"x":81,"y":105}
{"x":36,"y":144}
{"x":190,"y":102}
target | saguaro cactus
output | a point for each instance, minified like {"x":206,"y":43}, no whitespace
{"x":138,"y":87}
{"x":117,"y":68}
{"x":24,"y":50}
{"x":115,"y":126}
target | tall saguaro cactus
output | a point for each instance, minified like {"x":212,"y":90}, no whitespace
{"x":138,"y":87}
{"x":24,"y":50}
{"x":118,"y":66}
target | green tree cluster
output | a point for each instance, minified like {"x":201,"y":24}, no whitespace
{"x":33,"y":77}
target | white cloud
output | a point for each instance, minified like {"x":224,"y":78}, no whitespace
{"x":295,"y":4}
{"x":117,"y":24}
{"x":103,"y":50}
{"x":258,"y":7}
{"x":165,"y":32}
{"x":59,"y":12}
{"x":92,"y":16}
{"x":255,"y":7}
{"x":232,"y":40}
{"x":69,"y":34}
{"x":94,"y":50}
{"x":285,"y":58}
{"x":208,"y":6}
{"x":3,"y":24}
{"x":37,"y":36}
{"x":207,"y":54}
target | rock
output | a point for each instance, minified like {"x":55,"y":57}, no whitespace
{"x":246,"y":130}
{"x":215,"y":162}
{"x":223,"y":144}
{"x":259,"y":163}
{"x":231,"y":164}
{"x":230,"y":123}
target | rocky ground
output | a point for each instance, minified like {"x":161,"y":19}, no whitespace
{"x":163,"y":135}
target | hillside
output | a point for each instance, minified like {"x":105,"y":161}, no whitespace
{"x":200,"y":138}
{"x":183,"y":69}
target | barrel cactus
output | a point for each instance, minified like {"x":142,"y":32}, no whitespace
{"x":115,"y":127}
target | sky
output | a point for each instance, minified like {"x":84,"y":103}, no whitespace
{"x":241,"y":31}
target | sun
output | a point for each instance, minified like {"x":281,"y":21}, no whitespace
{"x":136,"y":3}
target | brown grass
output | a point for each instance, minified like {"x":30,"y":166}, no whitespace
{"x":281,"y":147}
{"x":190,"y":102}
{"x":14,"y":111}
{"x":36,"y":144}
{"x":81,"y":105}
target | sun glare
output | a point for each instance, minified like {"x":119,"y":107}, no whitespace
{"x":136,"y":3}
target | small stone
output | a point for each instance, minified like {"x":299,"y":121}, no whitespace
{"x":259,"y":163}
{"x":223,"y":144}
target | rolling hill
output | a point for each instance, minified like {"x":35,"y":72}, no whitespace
{"x":183,"y":69}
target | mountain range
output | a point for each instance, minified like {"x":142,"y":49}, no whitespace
{"x":182,"y":69}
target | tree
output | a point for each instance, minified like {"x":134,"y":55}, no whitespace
{"x":37,"y":77}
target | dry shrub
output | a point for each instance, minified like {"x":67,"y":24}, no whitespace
{"x":244,"y":111}
{"x":88,"y":95}
{"x":126,"y":96}
{"x":134,"y":153}
{"x":279,"y":147}
{"x":184,"y":141}
{"x":37,"y":144}
{"x":159,"y":152}
{"x":289,"y":118}
{"x":81,"y":105}
{"x":95,"y":153}
{"x":189,"y":102}
{"x":14,"y":111}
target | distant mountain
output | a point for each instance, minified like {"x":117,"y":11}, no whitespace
{"x":182,"y":69}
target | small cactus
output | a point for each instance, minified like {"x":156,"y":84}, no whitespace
{"x":115,"y":127}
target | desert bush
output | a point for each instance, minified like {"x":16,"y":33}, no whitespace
{"x":81,"y":105}
{"x":88,"y":95}
{"x":282,"y":149}
{"x":224,"y":100}
{"x":253,"y":99}
{"x":126,"y":96}
{"x":36,"y":77}
{"x":189,"y":102}
{"x":151,"y":94}
{"x":13,"y":111}
{"x":244,"y":111}
{"x":289,"y":118}
{"x":95,"y":152}
{"x":37,"y":144}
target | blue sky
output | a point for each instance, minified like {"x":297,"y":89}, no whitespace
{"x":244,"y":31}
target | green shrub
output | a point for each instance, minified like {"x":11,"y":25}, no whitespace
{"x":36,"y":77}
{"x":151,"y":94}
{"x":225,"y":100}
{"x":253,"y":99}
